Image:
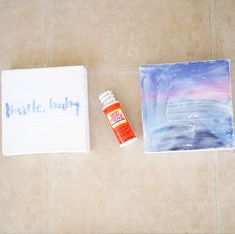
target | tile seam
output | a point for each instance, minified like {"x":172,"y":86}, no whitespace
{"x":48,"y":7}
{"x":217,"y":226}
{"x":213,"y":28}
{"x":45,"y":5}
{"x":48,"y":45}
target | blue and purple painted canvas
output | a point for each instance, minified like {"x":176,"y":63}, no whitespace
{"x":187,"y":106}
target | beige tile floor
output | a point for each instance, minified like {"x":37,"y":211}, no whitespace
{"x":114,"y":190}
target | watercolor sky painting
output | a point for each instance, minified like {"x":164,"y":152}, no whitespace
{"x":187,"y":106}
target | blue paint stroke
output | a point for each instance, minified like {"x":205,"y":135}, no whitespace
{"x":33,"y":107}
{"x":66,"y":104}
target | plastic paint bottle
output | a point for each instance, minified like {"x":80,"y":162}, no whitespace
{"x":117,"y":119}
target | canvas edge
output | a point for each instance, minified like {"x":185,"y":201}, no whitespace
{"x":190,"y":151}
{"x":231,"y":95}
{"x":4,"y":153}
{"x":87,"y":110}
{"x":142,"y":115}
{"x":183,"y":62}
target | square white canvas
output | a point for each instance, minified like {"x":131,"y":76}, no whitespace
{"x":45,"y":110}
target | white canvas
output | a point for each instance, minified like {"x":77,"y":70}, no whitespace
{"x":45,"y":110}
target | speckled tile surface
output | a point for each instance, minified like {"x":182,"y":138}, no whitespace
{"x":113,"y":190}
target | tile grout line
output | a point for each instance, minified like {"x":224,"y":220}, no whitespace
{"x":215,"y":156}
{"x":216,"y":192}
{"x":111,"y":68}
{"x":48,"y":36}
{"x":50,"y":194}
{"x":48,"y":44}
{"x":46,"y":64}
{"x":213,"y":29}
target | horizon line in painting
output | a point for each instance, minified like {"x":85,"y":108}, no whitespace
{"x":187,"y":106}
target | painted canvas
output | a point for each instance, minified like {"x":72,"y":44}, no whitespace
{"x":187,"y":106}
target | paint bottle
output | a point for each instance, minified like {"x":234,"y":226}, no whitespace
{"x":117,"y":119}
